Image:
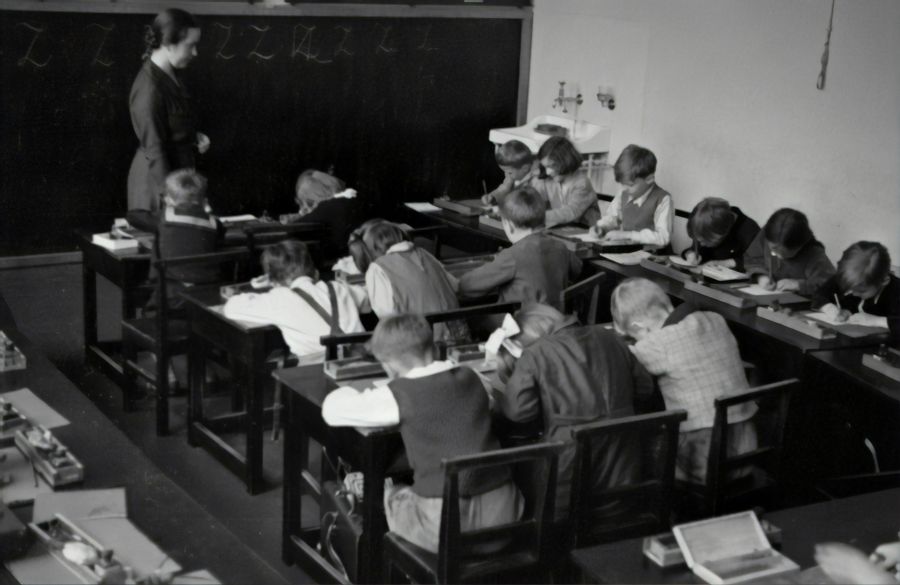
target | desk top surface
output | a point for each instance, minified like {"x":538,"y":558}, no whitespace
{"x":849,"y":363}
{"x":210,"y":302}
{"x":862,"y":521}
{"x":161,"y":509}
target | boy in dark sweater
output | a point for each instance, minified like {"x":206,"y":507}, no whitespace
{"x":721,"y":234}
{"x":443,"y":412}
{"x":863,"y":291}
{"x":184,"y":227}
{"x":536,"y":268}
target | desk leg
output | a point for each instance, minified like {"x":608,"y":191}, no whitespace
{"x":296,"y":459}
{"x":196,"y":383}
{"x":374,"y":522}
{"x":89,"y":304}
{"x":256,"y":378}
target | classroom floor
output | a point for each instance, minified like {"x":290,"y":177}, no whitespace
{"x":47,"y":306}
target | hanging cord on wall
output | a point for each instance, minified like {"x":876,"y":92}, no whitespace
{"x":820,"y":84}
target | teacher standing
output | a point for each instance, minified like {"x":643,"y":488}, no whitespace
{"x":161,"y":111}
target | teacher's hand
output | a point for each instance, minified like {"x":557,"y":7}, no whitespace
{"x":203,"y":142}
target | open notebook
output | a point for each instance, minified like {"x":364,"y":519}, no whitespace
{"x":730,"y":549}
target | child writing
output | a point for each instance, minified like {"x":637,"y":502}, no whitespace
{"x":785,"y":255}
{"x":400,"y":276}
{"x":303,"y":307}
{"x":519,"y":168}
{"x":323,"y":198}
{"x":863,"y":291}
{"x":184,"y":227}
{"x":536,"y":268}
{"x":567,"y":189}
{"x":643,"y":211}
{"x":442,"y":410}
{"x":696,"y":359}
{"x":721,"y":234}
{"x":568,"y":375}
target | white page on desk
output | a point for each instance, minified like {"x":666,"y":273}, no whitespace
{"x":237,"y":218}
{"x":131,"y":546}
{"x":584,"y":237}
{"x":629,"y":258}
{"x":22,"y":489}
{"x":423,"y":207}
{"x":758,"y":291}
{"x":34,"y":409}
{"x":679,"y":261}
{"x":202,"y":576}
{"x":39,"y":566}
{"x":80,"y":505}
{"x":722,"y":273}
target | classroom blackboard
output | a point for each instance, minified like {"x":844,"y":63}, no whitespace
{"x":399,"y":107}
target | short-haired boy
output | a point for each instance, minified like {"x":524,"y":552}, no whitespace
{"x":643,"y":211}
{"x":303,"y":307}
{"x":519,"y":167}
{"x":443,"y":412}
{"x":184,"y":227}
{"x":696,"y":359}
{"x":536,"y":268}
{"x":863,"y":291}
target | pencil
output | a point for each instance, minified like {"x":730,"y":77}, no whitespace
{"x":484,"y":187}
{"x":837,"y":302}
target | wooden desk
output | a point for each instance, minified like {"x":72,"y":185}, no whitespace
{"x":776,"y":349}
{"x":465,"y":234}
{"x":129,"y":269}
{"x":247,"y":346}
{"x":125,"y":270}
{"x":161,"y":509}
{"x":847,"y":402}
{"x":368,"y":450}
{"x":863,"y":521}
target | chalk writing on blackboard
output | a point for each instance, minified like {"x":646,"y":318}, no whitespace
{"x":383,"y":46}
{"x":425,"y":45}
{"x":220,"y":53}
{"x":28,"y":59}
{"x":305,"y":46}
{"x":98,"y":56}
{"x":342,"y":44}
{"x":262,"y":30}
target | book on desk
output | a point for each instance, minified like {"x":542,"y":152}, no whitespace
{"x":731,"y":549}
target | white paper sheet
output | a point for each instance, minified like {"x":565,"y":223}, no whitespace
{"x":722,"y":273}
{"x":34,"y":409}
{"x":585,"y":237}
{"x":423,"y":207}
{"x":202,"y":576}
{"x":131,"y":546}
{"x":679,"y":261}
{"x":758,"y":291}
{"x":80,"y":505}
{"x":237,"y":218}
{"x":38,"y":566}
{"x":628,"y":258}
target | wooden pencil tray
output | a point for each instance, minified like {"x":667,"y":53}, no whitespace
{"x":799,"y":324}
{"x":666,"y":270}
{"x":467,"y":207}
{"x":720,"y":295}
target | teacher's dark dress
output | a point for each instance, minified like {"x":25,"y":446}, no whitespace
{"x":166,"y":128}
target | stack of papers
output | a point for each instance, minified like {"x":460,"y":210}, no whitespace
{"x":423,"y":207}
{"x":628,"y":258}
